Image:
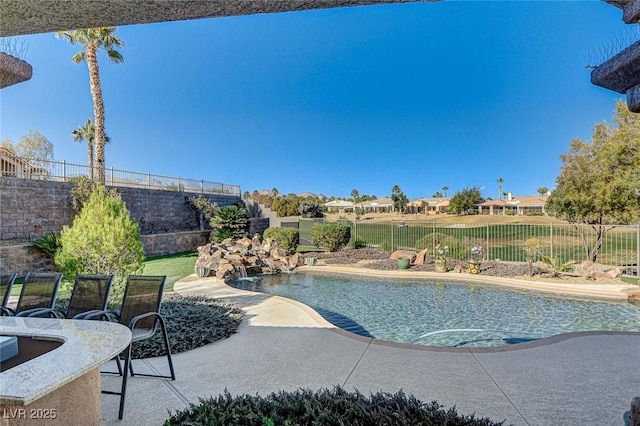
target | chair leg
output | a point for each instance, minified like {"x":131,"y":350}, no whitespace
{"x":165,"y":337}
{"x":167,"y":347}
{"x":123,"y":390}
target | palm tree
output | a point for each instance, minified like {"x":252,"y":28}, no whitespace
{"x":93,"y":39}
{"x":87,"y":133}
{"x":445,"y":189}
{"x":500,"y":182}
{"x":543,"y":190}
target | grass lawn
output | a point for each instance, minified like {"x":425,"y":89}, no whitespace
{"x":174,"y":266}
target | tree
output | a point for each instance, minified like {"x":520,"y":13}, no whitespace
{"x":93,"y":39}
{"x":33,"y":147}
{"x":543,"y":190}
{"x":462,"y":201}
{"x":500,"y":182}
{"x":599,"y":182}
{"x":444,"y":189}
{"x":400,"y":200}
{"x":88,"y":133}
{"x":355,"y":195}
{"x":437,"y":195}
{"x":103,"y":239}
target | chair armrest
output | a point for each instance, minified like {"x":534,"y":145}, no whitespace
{"x":7,"y":312}
{"x":84,"y":315}
{"x":137,"y":318}
{"x":40,"y":313}
{"x":100,"y":315}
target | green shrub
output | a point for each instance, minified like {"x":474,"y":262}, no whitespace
{"x":323,"y":407}
{"x":229,"y":222}
{"x":331,"y":236}
{"x":358,"y":244}
{"x":103,"y":239}
{"x":81,"y":192}
{"x":458,"y":248}
{"x":287,"y":238}
{"x":48,"y":243}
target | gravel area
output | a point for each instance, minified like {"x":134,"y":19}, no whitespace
{"x":379,"y":260}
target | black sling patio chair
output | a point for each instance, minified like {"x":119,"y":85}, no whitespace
{"x":6,"y":283}
{"x":89,"y":295}
{"x":39,"y":290}
{"x":140,"y":312}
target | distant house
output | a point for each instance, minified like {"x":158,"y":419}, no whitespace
{"x":383,"y":205}
{"x":339,"y":206}
{"x":521,"y":206}
{"x":429,"y":205}
{"x":12,"y":166}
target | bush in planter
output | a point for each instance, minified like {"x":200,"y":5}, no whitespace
{"x":331,"y":236}
{"x":287,"y":238}
{"x":323,"y":407}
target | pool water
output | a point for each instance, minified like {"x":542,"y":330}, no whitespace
{"x":444,"y":312}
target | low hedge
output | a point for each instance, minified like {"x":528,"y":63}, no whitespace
{"x":331,"y":236}
{"x":287,"y":238}
{"x":323,"y":407}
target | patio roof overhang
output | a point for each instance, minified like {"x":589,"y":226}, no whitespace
{"x":21,"y":17}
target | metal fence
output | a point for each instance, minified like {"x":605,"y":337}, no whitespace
{"x":506,"y":242}
{"x":63,"y":171}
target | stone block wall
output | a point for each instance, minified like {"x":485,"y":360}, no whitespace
{"x":30,"y":209}
{"x":176,"y":242}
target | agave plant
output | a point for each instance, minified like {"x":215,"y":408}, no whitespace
{"x":557,"y":265}
{"x":48,"y":243}
{"x":229,"y":222}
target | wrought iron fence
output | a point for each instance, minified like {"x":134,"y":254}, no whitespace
{"x":620,"y":246}
{"x":63,"y":171}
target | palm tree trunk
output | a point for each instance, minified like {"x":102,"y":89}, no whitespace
{"x":90,"y":159}
{"x":98,"y":112}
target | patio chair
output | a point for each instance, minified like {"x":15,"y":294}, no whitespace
{"x":140,"y":312}
{"x":6,"y":283}
{"x":89,"y":295}
{"x":39,"y":290}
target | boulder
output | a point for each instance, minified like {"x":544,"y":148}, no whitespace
{"x":420,"y":257}
{"x":296,"y":260}
{"x":403,"y":253}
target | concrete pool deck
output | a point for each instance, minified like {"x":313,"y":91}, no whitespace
{"x":579,"y":378}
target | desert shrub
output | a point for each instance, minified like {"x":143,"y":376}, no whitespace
{"x":103,"y":239}
{"x":358,"y":244}
{"x":229,"y":222}
{"x":458,"y":249}
{"x":324,"y":407}
{"x":331,"y":236}
{"x":81,"y":192}
{"x":205,"y":208}
{"x":192,"y":321}
{"x":287,"y":238}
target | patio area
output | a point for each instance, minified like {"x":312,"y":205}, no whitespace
{"x":583,"y":378}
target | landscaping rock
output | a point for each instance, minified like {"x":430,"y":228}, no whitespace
{"x":232,"y":259}
{"x":403,"y":253}
{"x":421,"y":257}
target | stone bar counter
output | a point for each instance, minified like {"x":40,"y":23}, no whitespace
{"x":55,"y":378}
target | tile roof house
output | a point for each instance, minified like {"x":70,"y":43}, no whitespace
{"x":521,"y":206}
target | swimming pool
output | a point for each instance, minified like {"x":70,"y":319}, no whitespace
{"x":444,"y":312}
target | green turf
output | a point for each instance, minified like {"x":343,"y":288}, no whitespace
{"x":174,"y":266}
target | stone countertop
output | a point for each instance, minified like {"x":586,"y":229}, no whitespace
{"x":87,"y":345}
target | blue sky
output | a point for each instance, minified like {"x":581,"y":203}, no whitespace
{"x":417,"y":95}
